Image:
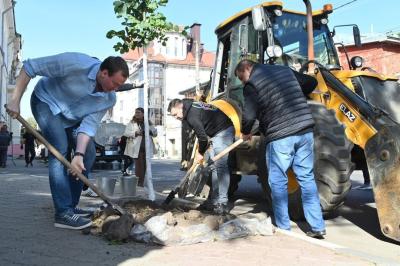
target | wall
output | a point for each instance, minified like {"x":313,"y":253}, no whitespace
{"x":380,"y":56}
{"x":178,"y":78}
{"x":9,"y":66}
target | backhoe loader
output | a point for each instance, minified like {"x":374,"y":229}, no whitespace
{"x":356,"y":112}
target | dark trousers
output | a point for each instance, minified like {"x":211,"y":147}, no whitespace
{"x":140,"y":167}
{"x":3,"y":156}
{"x":128,"y":161}
{"x":29,"y":150}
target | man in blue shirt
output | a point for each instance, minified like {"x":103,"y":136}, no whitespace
{"x":68,"y":103}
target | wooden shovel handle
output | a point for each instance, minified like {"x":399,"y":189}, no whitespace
{"x":227,"y":150}
{"x":60,"y":157}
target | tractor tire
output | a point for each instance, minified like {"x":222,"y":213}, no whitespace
{"x":332,"y":163}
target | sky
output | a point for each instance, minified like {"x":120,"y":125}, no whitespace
{"x":54,"y":26}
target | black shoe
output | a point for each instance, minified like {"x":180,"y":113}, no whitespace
{"x":26,"y":165}
{"x":206,"y":206}
{"x":221,"y":209}
{"x":316,"y":234}
{"x":31,"y":164}
{"x":125,"y":174}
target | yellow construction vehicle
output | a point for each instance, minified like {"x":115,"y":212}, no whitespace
{"x":356,"y":113}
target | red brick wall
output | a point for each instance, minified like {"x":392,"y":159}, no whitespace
{"x":383,"y":57}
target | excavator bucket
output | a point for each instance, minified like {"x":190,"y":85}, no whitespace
{"x":382,"y":152}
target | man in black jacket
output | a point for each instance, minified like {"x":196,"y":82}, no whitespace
{"x":273,"y":95}
{"x":29,"y":140}
{"x":5,"y":139}
{"x":209,"y":122}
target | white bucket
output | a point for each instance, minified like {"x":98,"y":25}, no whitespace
{"x":128,"y":185}
{"x":106,"y":185}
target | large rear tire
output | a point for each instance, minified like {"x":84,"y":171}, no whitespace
{"x":332,"y":163}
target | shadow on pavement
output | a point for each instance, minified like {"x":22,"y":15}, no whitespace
{"x":356,"y":210}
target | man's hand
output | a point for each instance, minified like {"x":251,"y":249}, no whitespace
{"x":12,"y":108}
{"x":199,"y":158}
{"x":246,"y":137}
{"x":77,"y":166}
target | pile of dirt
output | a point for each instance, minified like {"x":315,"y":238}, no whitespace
{"x":150,"y":222}
{"x":142,"y":210}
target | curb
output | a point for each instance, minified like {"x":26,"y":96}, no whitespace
{"x":340,"y":249}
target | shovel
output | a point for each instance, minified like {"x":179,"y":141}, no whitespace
{"x":67,"y":164}
{"x":184,"y":184}
{"x":181,"y":184}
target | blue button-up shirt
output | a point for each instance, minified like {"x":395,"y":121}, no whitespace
{"x":68,"y":86}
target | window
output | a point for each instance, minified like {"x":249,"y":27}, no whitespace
{"x":176,"y":47}
{"x":156,"y":116}
{"x":290,"y":33}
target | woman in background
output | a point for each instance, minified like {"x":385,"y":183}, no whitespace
{"x":135,"y":144}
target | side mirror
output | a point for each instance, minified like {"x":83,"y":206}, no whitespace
{"x":357,"y":36}
{"x":259,"y":20}
{"x":356,"y":33}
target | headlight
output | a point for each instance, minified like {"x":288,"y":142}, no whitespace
{"x":274,"y":51}
{"x":278,"y":12}
{"x":356,"y":62}
{"x":277,"y":51}
{"x":324,"y":21}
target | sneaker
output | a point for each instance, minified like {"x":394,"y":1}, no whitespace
{"x":221,"y":209}
{"x":316,"y":234}
{"x":74,"y":222}
{"x":206,"y":206}
{"x":125,"y":174}
{"x":87,"y":212}
{"x":89,"y":193}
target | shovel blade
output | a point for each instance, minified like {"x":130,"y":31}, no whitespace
{"x":382,"y":152}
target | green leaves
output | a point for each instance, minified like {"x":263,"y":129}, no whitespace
{"x":141,"y":24}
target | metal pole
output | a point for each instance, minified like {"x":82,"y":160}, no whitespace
{"x":310,"y":35}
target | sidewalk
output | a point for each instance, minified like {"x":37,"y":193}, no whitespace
{"x":28,"y":237}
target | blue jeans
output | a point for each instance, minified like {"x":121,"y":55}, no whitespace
{"x":219,"y":169}
{"x":296,"y":152}
{"x":65,"y":189}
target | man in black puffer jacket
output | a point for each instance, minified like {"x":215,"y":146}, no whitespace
{"x":273,"y":95}
{"x":208,"y":122}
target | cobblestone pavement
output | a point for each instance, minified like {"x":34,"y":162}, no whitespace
{"x":28,"y":237}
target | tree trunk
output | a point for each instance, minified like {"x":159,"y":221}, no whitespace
{"x":148,"y":176}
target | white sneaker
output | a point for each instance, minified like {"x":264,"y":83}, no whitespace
{"x":89,"y":193}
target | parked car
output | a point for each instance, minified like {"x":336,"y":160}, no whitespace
{"x":107,"y":142}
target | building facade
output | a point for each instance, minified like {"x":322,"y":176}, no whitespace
{"x":171,"y":69}
{"x":10,"y":64}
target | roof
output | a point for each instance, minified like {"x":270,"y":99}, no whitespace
{"x":207,"y":59}
{"x":381,"y":38}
